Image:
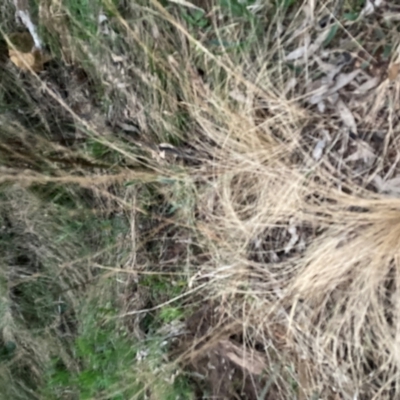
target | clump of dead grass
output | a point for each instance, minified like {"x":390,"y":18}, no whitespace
{"x":329,"y":283}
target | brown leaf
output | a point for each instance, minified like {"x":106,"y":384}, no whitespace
{"x":32,"y":61}
{"x":369,"y":84}
{"x":393,"y":71}
{"x":24,"y":61}
{"x":390,"y":186}
{"x":343,"y":80}
{"x":364,"y":152}
{"x":346,"y":116}
{"x":24,"y":54}
{"x":251,"y":360}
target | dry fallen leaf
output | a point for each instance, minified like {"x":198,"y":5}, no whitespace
{"x":363,"y":152}
{"x":368,"y":85}
{"x":24,"y":54}
{"x":252,"y":361}
{"x":307,"y":50}
{"x":370,"y":7}
{"x":390,"y":186}
{"x":328,"y":68}
{"x":393,"y":71}
{"x":295,"y":54}
{"x":346,"y":116}
{"x":32,"y":61}
{"x":24,"y":61}
{"x":343,"y":80}
{"x":321,"y":106}
{"x":319,"y":91}
{"x":319,"y":150}
{"x":330,"y":85}
{"x":239,"y":96}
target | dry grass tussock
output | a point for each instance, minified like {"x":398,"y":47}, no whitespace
{"x":284,"y":166}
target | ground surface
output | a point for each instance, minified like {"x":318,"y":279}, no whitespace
{"x":199,"y":200}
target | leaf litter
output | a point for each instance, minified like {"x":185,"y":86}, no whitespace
{"x":345,"y":91}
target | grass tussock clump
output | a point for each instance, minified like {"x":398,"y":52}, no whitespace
{"x":201,"y":200}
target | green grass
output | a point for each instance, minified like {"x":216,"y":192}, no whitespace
{"x":107,"y":358}
{"x":70,"y":313}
